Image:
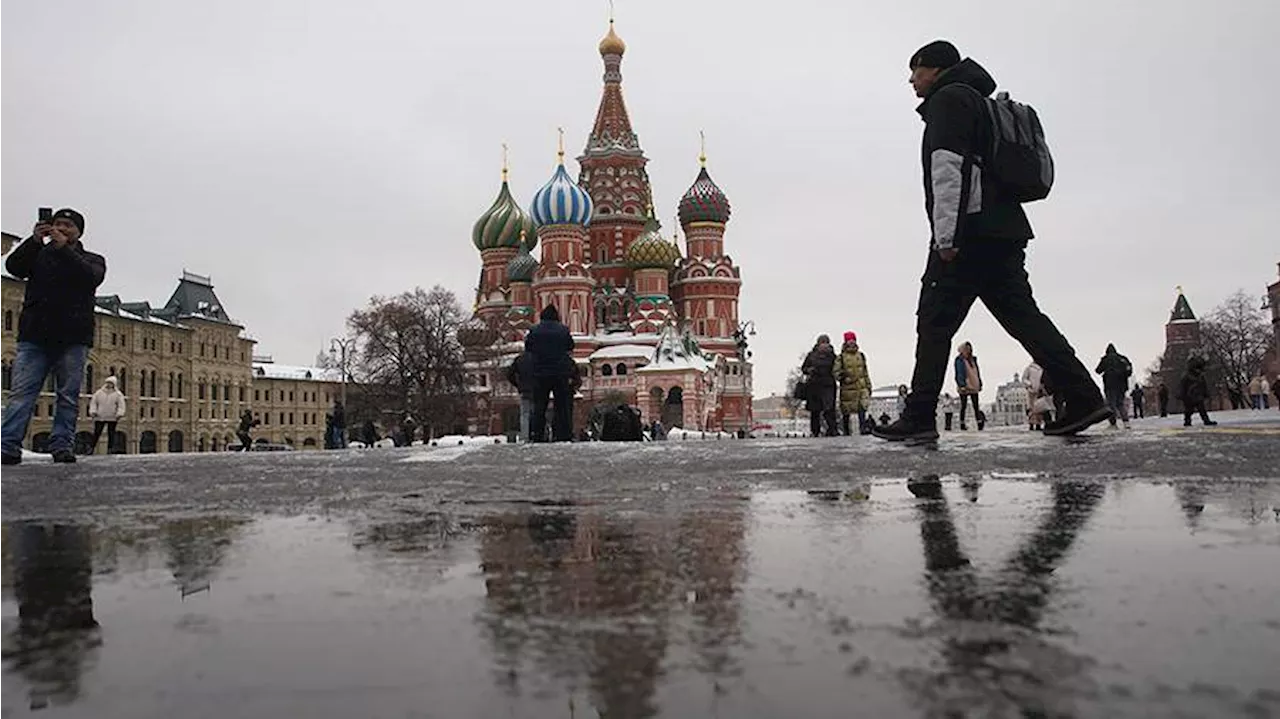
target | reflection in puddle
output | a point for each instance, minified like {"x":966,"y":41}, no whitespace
{"x":959,"y":596}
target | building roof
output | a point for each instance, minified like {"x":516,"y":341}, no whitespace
{"x":194,"y":297}
{"x":676,"y":353}
{"x":271,"y":370}
{"x":1181,"y":309}
{"x":627,"y":351}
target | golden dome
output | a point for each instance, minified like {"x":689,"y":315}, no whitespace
{"x":612,"y":44}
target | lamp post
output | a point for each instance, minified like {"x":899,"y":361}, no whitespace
{"x":744,"y":330}
{"x":335,"y":345}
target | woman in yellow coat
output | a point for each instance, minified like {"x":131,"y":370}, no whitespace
{"x":855,"y":382}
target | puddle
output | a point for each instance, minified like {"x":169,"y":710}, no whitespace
{"x":987,"y":597}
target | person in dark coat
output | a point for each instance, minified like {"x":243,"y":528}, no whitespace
{"x":1139,"y":396}
{"x":339,"y":439}
{"x":549,"y":346}
{"x":247,"y":423}
{"x":55,"y":330}
{"x":519,"y":374}
{"x":1115,"y":369}
{"x":977,"y":250}
{"x":370,"y":432}
{"x":818,"y":369}
{"x":1162,"y":397}
{"x":1195,"y":391}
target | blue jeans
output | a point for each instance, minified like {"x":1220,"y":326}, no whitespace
{"x":31,"y":367}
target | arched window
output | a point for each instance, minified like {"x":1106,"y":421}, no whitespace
{"x":124,"y":380}
{"x":153,"y":384}
{"x":7,"y":378}
{"x":622,"y":369}
{"x":171,"y":394}
{"x":606,"y":371}
{"x":603,"y":254}
{"x":88,"y":380}
{"x":142,"y":383}
{"x":179,"y":385}
{"x":8,"y":320}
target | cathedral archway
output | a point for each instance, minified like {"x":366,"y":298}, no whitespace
{"x":673,"y":408}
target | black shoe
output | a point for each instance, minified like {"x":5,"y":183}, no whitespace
{"x":907,"y":430}
{"x":1211,"y":423}
{"x":64,"y":456}
{"x":1075,"y":423}
{"x":9,"y":460}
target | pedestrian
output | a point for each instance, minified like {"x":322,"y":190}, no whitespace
{"x":948,"y":404}
{"x":339,"y":425}
{"x":1195,"y":391}
{"x":1275,"y":389}
{"x":370,"y":432}
{"x":855,"y":384}
{"x":978,"y":250}
{"x":968,"y":382}
{"x":518,"y":374}
{"x":330,"y":440}
{"x":1258,"y":394}
{"x":55,"y":329}
{"x":900,"y":405}
{"x":550,"y":347}
{"x":1115,"y":369}
{"x":106,"y":408}
{"x":1139,"y":397}
{"x":1033,"y":380}
{"x":1162,"y":398}
{"x":818,"y":369}
{"x":247,"y":423}
{"x":409,"y":428}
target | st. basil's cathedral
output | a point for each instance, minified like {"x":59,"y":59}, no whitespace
{"x":653,"y":326}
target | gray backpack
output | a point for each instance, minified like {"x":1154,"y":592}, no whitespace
{"x":1020,"y":160}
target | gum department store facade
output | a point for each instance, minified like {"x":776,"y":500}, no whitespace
{"x":187,"y":371}
{"x":652,"y":325}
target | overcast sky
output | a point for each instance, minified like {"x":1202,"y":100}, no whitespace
{"x":310,"y":154}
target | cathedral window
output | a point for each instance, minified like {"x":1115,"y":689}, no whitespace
{"x":622,"y":369}
{"x":606,"y":371}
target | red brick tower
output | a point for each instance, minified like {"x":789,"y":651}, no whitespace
{"x":707,"y":282}
{"x":613,"y":172}
{"x":1181,"y":336}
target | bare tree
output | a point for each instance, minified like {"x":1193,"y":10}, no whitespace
{"x":1236,"y":336}
{"x":408,"y":356}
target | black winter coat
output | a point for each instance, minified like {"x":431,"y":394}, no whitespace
{"x":819,"y":371}
{"x":57,"y":310}
{"x":1115,"y":369}
{"x":549,"y":345}
{"x":963,"y":203}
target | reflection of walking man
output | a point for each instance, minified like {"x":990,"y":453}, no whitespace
{"x":1010,"y":608}
{"x":55,"y":330}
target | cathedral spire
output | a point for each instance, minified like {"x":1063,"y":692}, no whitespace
{"x":612,"y":130}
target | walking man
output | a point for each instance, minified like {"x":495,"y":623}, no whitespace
{"x":55,"y":330}
{"x":106,"y":408}
{"x":1162,"y":397}
{"x":338,"y":440}
{"x":1139,"y":397}
{"x":519,"y":376}
{"x":1115,"y":369}
{"x":247,"y":423}
{"x":977,"y":251}
{"x":549,"y":345}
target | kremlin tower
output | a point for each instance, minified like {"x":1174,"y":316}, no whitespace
{"x":658,"y":328}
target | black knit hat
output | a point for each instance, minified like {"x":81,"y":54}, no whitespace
{"x":938,"y":53}
{"x":550,"y":313}
{"x":76,"y":218}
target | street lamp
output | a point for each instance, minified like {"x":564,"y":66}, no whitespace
{"x":335,"y":345}
{"x":745,"y":329}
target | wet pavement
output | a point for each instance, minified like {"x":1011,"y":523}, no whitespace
{"x":728,"y":579}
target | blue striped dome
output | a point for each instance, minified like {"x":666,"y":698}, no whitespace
{"x":561,"y":202}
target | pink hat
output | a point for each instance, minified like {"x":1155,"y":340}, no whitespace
{"x":850,"y":337}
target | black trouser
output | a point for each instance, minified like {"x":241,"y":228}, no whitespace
{"x":846,"y":424}
{"x":964,"y":406}
{"x":1190,"y":408}
{"x":544,"y":388}
{"x":1138,"y":412}
{"x":1164,"y":406}
{"x":994,"y":272}
{"x":819,"y":417}
{"x":98,"y":426}
{"x":245,"y":441}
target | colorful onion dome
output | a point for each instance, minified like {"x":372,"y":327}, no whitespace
{"x":612,"y":44}
{"x":561,"y":201}
{"x":521,"y":267}
{"x":650,"y":250}
{"x":475,"y":332}
{"x":704,"y":202}
{"x":502,"y":224}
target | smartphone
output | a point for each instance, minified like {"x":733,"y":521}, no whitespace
{"x":46,"y":214}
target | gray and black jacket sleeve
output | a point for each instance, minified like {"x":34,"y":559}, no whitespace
{"x":952,"y":170}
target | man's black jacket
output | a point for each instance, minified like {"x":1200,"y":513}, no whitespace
{"x":57,"y":310}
